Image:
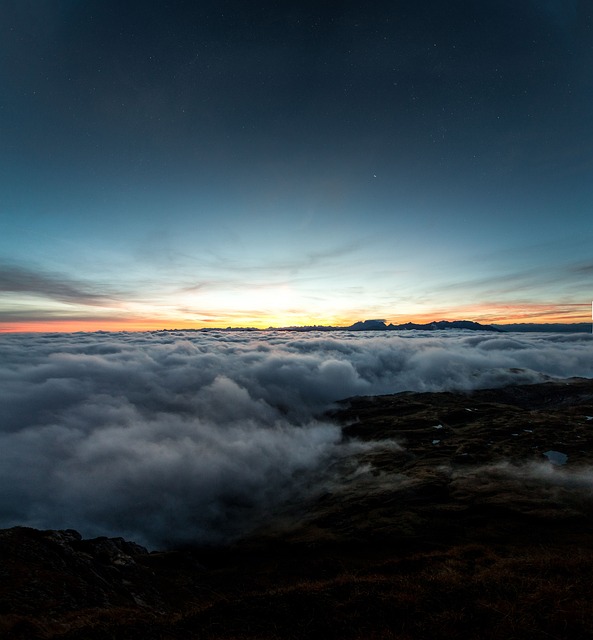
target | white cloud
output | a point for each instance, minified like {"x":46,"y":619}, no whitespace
{"x":185,"y":437}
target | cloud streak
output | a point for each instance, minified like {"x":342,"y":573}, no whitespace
{"x":17,"y":279}
{"x":182,"y":437}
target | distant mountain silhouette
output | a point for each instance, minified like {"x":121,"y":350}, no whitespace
{"x":369,"y":325}
{"x":379,"y":325}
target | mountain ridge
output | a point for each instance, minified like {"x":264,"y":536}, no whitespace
{"x":435,"y":325}
{"x":367,"y":325}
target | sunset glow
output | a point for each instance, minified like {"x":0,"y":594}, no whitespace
{"x":487,"y":314}
{"x":294,"y":165}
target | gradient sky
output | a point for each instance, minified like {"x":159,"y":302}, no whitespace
{"x":188,"y":164}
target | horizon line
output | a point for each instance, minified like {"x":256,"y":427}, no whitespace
{"x":48,"y":328}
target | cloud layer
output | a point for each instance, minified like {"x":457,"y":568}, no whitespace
{"x":180,"y":437}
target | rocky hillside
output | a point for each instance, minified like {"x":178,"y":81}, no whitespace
{"x":460,"y":515}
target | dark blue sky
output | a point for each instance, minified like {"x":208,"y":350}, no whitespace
{"x":231,"y":162}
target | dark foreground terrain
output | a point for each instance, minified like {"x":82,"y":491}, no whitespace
{"x":472,"y":517}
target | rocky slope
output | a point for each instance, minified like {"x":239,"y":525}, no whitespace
{"x":458,"y":519}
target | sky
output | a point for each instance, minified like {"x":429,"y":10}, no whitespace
{"x":198,"y":164}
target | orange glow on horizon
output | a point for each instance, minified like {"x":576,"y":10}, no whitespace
{"x":485,"y":314}
{"x":74,"y":326}
{"x":502,"y":313}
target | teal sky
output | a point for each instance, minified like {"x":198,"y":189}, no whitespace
{"x":197,"y":164}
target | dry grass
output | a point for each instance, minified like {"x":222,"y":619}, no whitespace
{"x":472,"y":590}
{"x":479,"y":591}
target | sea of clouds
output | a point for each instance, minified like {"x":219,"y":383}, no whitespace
{"x":169,"y":438}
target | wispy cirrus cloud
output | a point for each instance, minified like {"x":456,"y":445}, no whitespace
{"x":583,"y":269}
{"x":28,"y":281}
{"x":530,"y":284}
{"x":223,"y":263}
